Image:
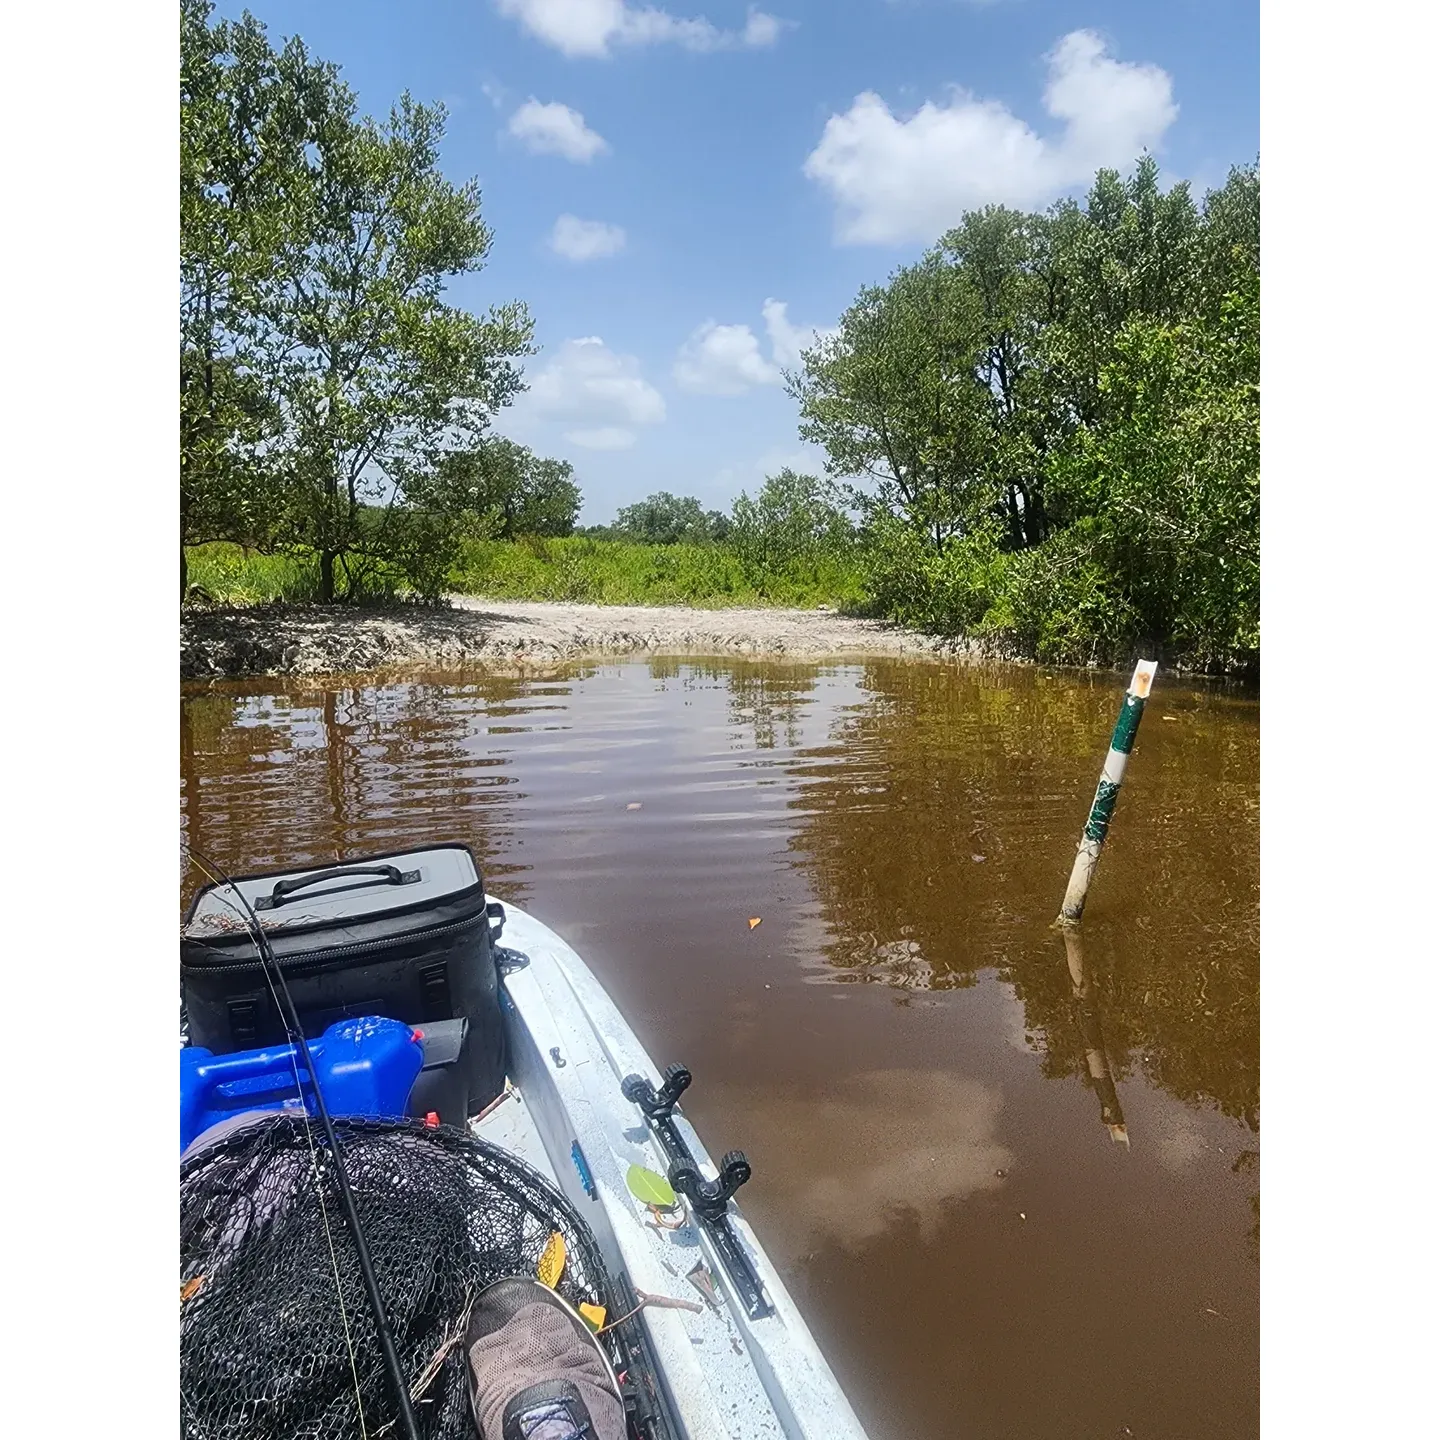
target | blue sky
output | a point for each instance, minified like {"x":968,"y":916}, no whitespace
{"x":655,"y":174}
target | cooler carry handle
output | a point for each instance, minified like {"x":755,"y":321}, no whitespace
{"x":390,"y":874}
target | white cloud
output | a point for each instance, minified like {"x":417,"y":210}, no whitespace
{"x":723,"y":360}
{"x":727,"y":359}
{"x":805,"y":458}
{"x":899,"y":180}
{"x":598,"y":398}
{"x":556,"y":129}
{"x":578,"y":239}
{"x":592,"y":27}
{"x":786,"y":339}
{"x":1180,"y":1146}
{"x":761,"y":30}
{"x":888,"y":1178}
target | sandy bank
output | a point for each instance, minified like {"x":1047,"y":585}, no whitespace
{"x":316,"y":640}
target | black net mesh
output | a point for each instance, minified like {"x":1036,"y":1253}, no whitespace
{"x":269,"y":1276}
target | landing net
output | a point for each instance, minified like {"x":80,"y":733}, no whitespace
{"x":263,"y":1316}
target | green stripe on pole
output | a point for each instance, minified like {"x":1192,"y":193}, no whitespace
{"x":1127,"y":724}
{"x":1101,"y":809}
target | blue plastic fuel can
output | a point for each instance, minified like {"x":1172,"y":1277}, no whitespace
{"x":365,"y":1066}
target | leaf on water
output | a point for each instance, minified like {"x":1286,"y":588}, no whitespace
{"x":635,"y":806}
{"x":592,"y":1315}
{"x":754,"y":921}
{"x":649,"y":1188}
{"x":552,"y":1261}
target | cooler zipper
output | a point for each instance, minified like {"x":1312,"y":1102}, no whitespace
{"x":340,"y":952}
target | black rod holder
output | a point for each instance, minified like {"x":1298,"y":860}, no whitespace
{"x":709,"y":1199}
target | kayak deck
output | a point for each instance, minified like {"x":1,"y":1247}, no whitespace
{"x":728,"y":1375}
{"x":724,"y":1372}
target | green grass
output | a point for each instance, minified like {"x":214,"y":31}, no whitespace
{"x":616,"y":572}
{"x":234,"y":576}
{"x":578,"y":569}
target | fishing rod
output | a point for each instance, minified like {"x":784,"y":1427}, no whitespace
{"x":290,"y":1018}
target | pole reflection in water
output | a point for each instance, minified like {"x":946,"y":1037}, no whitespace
{"x":897,"y":1047}
{"x":334,"y":734}
{"x":1097,"y":1062}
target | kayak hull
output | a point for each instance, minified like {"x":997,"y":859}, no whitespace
{"x":724,"y":1372}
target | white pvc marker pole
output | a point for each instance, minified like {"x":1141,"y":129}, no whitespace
{"x":1102,"y":807}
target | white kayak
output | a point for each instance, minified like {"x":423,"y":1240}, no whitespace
{"x":744,"y":1364}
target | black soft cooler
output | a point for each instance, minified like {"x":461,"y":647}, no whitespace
{"x":405,"y":936}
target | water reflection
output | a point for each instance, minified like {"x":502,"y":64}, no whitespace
{"x":767,"y":703}
{"x":916,"y":1141}
{"x":314,"y":775}
{"x":937,"y":822}
{"x":909,"y":1054}
{"x":931,"y":809}
{"x":1097,"y":1062}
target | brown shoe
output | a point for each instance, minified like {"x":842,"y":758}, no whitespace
{"x":537,"y":1372}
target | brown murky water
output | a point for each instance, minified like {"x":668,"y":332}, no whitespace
{"x":1015,"y":1192}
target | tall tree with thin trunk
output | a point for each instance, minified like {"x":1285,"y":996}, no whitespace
{"x":323,"y":373}
{"x":380,"y":376}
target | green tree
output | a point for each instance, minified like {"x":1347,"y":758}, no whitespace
{"x":790,"y":530}
{"x":1007,"y":263}
{"x":1159,"y":480}
{"x":497,"y":490}
{"x":896,"y":401}
{"x":1130,"y":253}
{"x":666,"y":519}
{"x":246,"y":113}
{"x":1229,"y":240}
{"x":323,"y":374}
{"x":550,"y":499}
{"x":1170,"y":479}
{"x":1050,"y":424}
{"x":228,"y":490}
{"x":523,"y":493}
{"x":381,"y":377}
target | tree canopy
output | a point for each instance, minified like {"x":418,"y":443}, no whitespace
{"x":666,"y":519}
{"x":1050,"y":423}
{"x":511,"y":490}
{"x":794,"y":526}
